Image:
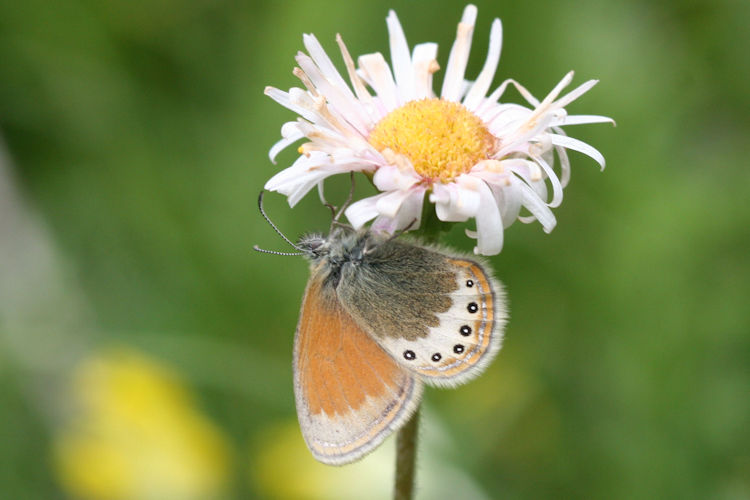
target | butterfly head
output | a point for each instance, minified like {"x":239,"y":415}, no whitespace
{"x":337,"y":248}
{"x":314,"y":246}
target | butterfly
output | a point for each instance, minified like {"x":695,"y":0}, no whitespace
{"x":382,"y":316}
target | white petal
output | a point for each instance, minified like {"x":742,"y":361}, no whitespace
{"x":564,"y":160}
{"x":555,"y":91}
{"x":407,"y":213}
{"x":400,"y":59}
{"x":484,"y":80}
{"x":425,"y":64}
{"x":390,"y":203}
{"x":343,"y":103}
{"x":459,"y":56}
{"x":291,"y":134}
{"x":454,"y":202}
{"x":537,"y":207}
{"x":359,"y":87}
{"x":303,"y":188}
{"x":292,"y":174}
{"x":324,"y":63}
{"x":489,"y":224}
{"x":379,"y":75}
{"x":582,"y":119}
{"x":411,"y":210}
{"x":510,"y":202}
{"x":285,"y":100}
{"x":362,"y":211}
{"x":575,"y":93}
{"x":389,"y":178}
{"x":579,"y":146}
{"x":557,"y":190}
{"x":523,"y":91}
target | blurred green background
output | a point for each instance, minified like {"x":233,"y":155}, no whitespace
{"x":145,"y":350}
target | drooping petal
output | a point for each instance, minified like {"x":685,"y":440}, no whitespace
{"x":510,"y":202}
{"x":409,"y":214}
{"x":539,"y":210}
{"x":580,"y":146}
{"x":489,"y":224}
{"x":557,"y":190}
{"x":454,"y":202}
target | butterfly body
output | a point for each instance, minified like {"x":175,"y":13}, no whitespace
{"x":380,"y":317}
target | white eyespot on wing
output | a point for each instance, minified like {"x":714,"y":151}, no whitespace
{"x":468,"y":336}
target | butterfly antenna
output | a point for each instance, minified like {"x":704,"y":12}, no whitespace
{"x":274,"y":252}
{"x":325,"y":202}
{"x":278,"y":231}
{"x":401,"y":231}
{"x":348,"y":201}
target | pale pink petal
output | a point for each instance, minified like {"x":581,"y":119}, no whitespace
{"x":390,"y":177}
{"x":408,"y":214}
{"x":362,"y":211}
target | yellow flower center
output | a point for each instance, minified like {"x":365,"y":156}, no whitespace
{"x":442,"y":139}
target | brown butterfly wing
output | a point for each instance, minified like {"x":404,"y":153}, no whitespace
{"x":439,"y":314}
{"x":350,"y":393}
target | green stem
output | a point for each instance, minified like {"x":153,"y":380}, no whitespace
{"x":431,"y":230}
{"x":406,"y":454}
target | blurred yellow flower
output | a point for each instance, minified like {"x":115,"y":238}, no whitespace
{"x":282,"y":468}
{"x":136,"y":434}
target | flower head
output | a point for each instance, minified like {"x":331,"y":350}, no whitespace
{"x":470,"y":153}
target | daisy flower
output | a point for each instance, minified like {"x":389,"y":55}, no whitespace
{"x":467,"y":152}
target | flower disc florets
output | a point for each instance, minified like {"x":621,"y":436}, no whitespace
{"x":441,"y":139}
{"x":472,"y":155}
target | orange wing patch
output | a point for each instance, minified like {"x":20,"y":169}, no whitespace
{"x":350,"y":393}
